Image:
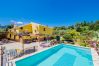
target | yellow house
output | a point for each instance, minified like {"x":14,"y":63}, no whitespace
{"x":32,"y":29}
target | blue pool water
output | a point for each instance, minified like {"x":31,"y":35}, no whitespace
{"x":61,"y":55}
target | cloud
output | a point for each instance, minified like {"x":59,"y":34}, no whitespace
{"x":19,"y":22}
{"x":16,"y":22}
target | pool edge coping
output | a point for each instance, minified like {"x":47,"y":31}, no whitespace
{"x":95,"y":57}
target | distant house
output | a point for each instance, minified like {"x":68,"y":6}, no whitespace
{"x":31,"y":29}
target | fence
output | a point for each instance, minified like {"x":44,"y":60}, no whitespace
{"x":7,"y":55}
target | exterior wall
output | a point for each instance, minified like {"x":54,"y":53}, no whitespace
{"x":35,"y":28}
{"x":27,"y":28}
{"x":40,"y":29}
{"x":10,"y":34}
{"x":17,"y":38}
{"x":45,"y":30}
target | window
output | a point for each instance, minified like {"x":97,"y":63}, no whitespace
{"x":21,"y":28}
{"x":35,"y":30}
{"x":44,"y":29}
{"x":10,"y":35}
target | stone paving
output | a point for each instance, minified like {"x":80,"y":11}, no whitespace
{"x":95,"y":57}
{"x":17,"y":45}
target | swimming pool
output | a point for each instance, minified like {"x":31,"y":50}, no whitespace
{"x":60,"y":55}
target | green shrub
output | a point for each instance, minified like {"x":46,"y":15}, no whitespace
{"x":67,"y":36}
{"x":84,"y":44}
{"x":97,"y":45}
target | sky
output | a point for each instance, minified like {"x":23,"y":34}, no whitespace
{"x":49,"y":12}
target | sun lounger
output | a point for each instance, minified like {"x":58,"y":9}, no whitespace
{"x":48,"y":44}
{"x":45,"y":44}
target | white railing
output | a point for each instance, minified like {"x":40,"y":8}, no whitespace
{"x":10,"y":64}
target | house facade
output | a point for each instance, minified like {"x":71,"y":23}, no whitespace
{"x":31,"y":29}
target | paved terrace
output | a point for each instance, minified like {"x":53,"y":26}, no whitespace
{"x":17,"y":45}
{"x":95,"y":57}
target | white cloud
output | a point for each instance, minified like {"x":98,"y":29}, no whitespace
{"x":16,"y":22}
{"x":19,"y":22}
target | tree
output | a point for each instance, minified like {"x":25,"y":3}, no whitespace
{"x":67,"y":36}
{"x":73,"y":33}
{"x":9,"y":27}
{"x":71,"y":27}
{"x":96,"y":25}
